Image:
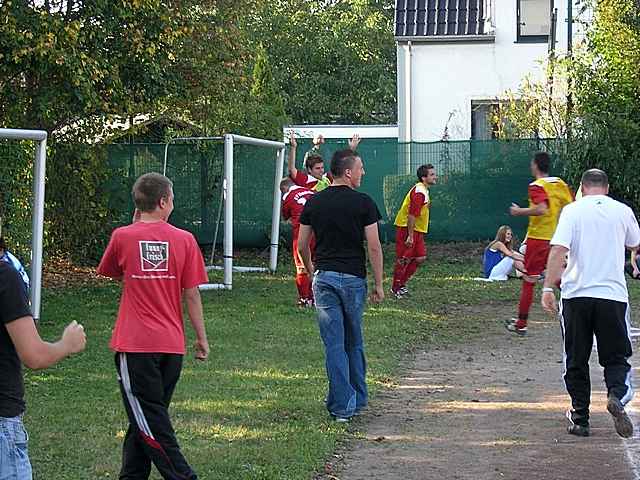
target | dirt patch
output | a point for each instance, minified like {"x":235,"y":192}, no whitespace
{"x":491,"y":409}
{"x":61,"y":273}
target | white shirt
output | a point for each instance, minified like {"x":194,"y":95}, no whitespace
{"x":596,"y":231}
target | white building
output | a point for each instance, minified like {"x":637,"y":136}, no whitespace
{"x":457,"y":58}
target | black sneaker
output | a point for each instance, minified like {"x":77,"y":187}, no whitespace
{"x":576,"y":429}
{"x":621,"y":421}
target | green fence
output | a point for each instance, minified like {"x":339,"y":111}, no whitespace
{"x":477,"y":182}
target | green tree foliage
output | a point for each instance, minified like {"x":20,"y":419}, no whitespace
{"x":603,"y":76}
{"x":607,"y":96}
{"x":70,"y":66}
{"x":16,"y":159}
{"x":267,"y":101}
{"x":537,"y":108}
{"x":334,"y":61}
{"x":64,"y":65}
{"x":215,"y":64}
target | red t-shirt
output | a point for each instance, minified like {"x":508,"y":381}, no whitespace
{"x":293,"y":203}
{"x":156,"y":262}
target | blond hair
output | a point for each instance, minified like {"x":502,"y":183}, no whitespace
{"x":501,"y":236}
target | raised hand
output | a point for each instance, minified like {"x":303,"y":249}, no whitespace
{"x":354,"y":142}
{"x":318,"y":140}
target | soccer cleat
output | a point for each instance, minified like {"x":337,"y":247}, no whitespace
{"x":575,"y":429}
{"x":397,"y":294}
{"x":621,"y":421}
{"x":403,"y":290}
{"x":510,"y":321}
{"x":522,"y":331}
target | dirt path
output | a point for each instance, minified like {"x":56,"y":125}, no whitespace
{"x":493,"y":409}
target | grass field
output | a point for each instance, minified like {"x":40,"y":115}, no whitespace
{"x":255,"y":409}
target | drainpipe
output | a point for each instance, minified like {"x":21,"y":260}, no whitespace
{"x":408,"y":136}
{"x":407,"y":89}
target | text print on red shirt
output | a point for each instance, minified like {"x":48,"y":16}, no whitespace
{"x":154,"y":256}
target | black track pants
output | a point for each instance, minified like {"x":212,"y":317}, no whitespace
{"x":581,"y":318}
{"x":147,"y":381}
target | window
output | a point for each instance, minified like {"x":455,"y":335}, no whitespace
{"x":483,"y":119}
{"x":534,"y":20}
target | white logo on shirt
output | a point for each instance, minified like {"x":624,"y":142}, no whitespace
{"x":154,"y":256}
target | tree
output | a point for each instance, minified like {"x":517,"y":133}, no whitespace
{"x":334,"y":61}
{"x":65,"y":65}
{"x":268,"y":107}
{"x":604,"y":124}
{"x":537,"y":108}
{"x":606,"y":133}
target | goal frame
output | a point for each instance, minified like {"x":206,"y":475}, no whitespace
{"x":39,"y":171}
{"x":230,"y":140}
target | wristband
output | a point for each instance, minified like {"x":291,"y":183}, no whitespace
{"x":547,"y":289}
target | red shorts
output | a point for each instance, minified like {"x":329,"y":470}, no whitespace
{"x":535,"y":258}
{"x":418,"y":249}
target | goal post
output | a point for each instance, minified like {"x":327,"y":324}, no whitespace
{"x":39,"y":136}
{"x":229,"y":142}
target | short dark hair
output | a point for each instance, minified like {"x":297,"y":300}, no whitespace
{"x":423,"y":170}
{"x":149,"y":189}
{"x":542,"y":161}
{"x":594,"y":177}
{"x":286,"y":182}
{"x":342,"y":161}
{"x":312,"y":159}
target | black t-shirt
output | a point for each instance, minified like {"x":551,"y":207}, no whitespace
{"x":13,"y":305}
{"x":338,"y":215}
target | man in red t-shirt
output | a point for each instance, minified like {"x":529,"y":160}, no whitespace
{"x":159,"y":265}
{"x":294,"y":199}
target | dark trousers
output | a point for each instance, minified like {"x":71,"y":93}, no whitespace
{"x":147,"y":382}
{"x":582,"y":318}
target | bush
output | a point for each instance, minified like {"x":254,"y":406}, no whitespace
{"x":77,"y":206}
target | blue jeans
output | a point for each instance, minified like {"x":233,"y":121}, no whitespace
{"x":14,"y":460}
{"x":340,"y":299}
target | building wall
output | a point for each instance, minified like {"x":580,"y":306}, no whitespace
{"x":447,"y":77}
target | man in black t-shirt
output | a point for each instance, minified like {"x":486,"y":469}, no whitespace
{"x":21,"y":343}
{"x":341,"y":220}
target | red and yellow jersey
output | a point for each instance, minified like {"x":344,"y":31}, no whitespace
{"x":303,"y":179}
{"x":417,"y":204}
{"x":556,"y":194}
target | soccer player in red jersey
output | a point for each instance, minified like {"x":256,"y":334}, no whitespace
{"x":547,"y":197}
{"x":160,"y":266}
{"x":412,"y":222}
{"x":294,"y":198}
{"x":313,"y":177}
